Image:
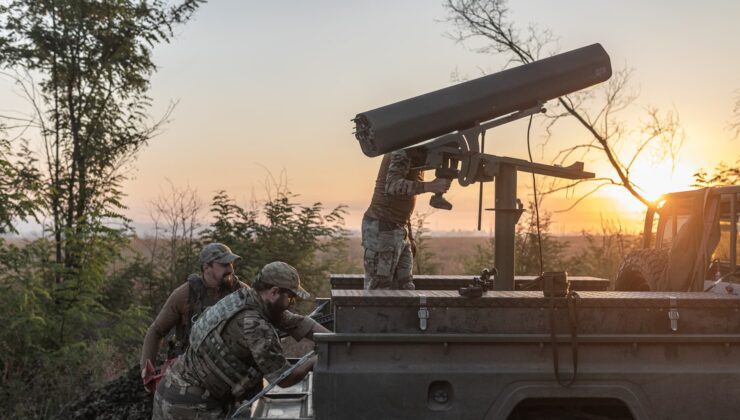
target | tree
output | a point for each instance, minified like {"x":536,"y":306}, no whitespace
{"x":483,"y":256}
{"x":723,"y":174}
{"x":526,"y":248}
{"x":529,"y":244}
{"x":84,"y":67}
{"x":279,"y":229}
{"x":425,"y":259}
{"x":20,"y":183}
{"x":237,"y":228}
{"x":489,"y":20}
{"x":175,"y":247}
{"x":603,"y":253}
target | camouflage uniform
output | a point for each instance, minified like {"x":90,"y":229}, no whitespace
{"x":387,"y":257}
{"x":233,"y":346}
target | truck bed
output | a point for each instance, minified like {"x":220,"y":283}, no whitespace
{"x":639,"y":355}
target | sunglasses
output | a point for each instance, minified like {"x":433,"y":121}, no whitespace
{"x":291,"y":295}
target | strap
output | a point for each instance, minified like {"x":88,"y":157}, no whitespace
{"x":195,"y":302}
{"x":188,"y":395}
{"x":181,"y":341}
{"x":572,"y":299}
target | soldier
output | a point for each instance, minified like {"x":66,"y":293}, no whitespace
{"x":234,"y":345}
{"x":186,"y":303}
{"x":386,"y":226}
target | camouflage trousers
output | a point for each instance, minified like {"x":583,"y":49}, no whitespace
{"x":387,"y":257}
{"x":172,"y":404}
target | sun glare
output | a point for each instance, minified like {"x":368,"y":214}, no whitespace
{"x":654,"y":181}
{"x":658,"y":180}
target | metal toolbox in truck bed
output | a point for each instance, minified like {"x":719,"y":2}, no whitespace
{"x":526,"y":312}
{"x":454,"y":282}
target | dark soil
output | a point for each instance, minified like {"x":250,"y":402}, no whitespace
{"x":121,"y":398}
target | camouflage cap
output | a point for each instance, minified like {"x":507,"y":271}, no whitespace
{"x":283,"y":275}
{"x":217,"y":252}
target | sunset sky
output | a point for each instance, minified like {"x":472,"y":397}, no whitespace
{"x":266,"y":87}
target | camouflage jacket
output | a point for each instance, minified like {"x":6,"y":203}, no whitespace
{"x":234,"y":345}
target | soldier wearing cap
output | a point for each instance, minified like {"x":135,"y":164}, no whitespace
{"x":187,"y":302}
{"x":234,"y":346}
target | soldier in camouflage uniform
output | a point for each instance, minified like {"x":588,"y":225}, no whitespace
{"x":187,"y":302}
{"x":388,"y":257}
{"x":234,"y":345}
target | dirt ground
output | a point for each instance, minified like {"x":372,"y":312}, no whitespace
{"x":123,"y":398}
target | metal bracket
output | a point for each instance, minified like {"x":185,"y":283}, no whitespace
{"x":673,"y":313}
{"x":518,"y":210}
{"x":423,"y":313}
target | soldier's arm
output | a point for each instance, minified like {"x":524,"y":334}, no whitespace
{"x":267,"y":352}
{"x":299,"y":373}
{"x":395,"y":181}
{"x":297,"y":326}
{"x":397,"y":184}
{"x":317,"y":328}
{"x":167,"y":319}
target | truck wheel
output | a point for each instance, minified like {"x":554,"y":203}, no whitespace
{"x":641,"y":270}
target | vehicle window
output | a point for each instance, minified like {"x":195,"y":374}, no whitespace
{"x":680,"y":221}
{"x":722,"y":252}
{"x":666,"y":219}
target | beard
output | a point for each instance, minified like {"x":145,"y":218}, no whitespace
{"x":274,"y":310}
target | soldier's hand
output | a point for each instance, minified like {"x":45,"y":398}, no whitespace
{"x":147,"y":379}
{"x":439,"y":185}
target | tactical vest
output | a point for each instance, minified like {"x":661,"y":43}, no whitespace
{"x":198,"y":301}
{"x":225,"y":375}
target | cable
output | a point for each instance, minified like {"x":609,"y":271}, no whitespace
{"x":480,"y":189}
{"x":536,"y":205}
{"x":571,"y":297}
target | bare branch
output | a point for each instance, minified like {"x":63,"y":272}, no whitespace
{"x":572,"y":184}
{"x":488,"y":21}
{"x":564,"y":154}
{"x":735,"y":121}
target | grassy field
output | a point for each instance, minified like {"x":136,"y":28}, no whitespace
{"x":452,"y":251}
{"x":449,"y":251}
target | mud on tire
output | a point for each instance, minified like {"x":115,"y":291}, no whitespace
{"x":641,"y":270}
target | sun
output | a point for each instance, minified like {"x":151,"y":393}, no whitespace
{"x":654,"y":180}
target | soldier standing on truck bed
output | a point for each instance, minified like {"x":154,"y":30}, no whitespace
{"x":234,"y":345}
{"x":186,"y":303}
{"x":386,"y":228}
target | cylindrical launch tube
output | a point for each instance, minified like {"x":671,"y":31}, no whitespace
{"x":443,"y":111}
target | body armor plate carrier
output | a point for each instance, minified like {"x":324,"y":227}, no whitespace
{"x":227,"y":375}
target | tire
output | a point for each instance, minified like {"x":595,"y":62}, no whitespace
{"x":641,"y":270}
